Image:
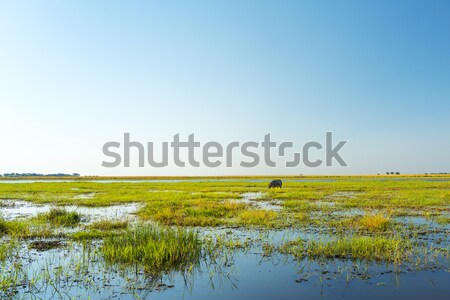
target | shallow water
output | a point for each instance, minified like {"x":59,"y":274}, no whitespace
{"x":79,"y":273}
{"x":15,"y":209}
{"x":257,"y":200}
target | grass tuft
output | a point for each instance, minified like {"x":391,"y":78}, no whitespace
{"x":376,"y":222}
{"x":61,"y":217}
{"x":257,"y":217}
{"x":362,"y":248}
{"x":109,"y":225}
{"x":7,"y":248}
{"x":157,"y":249}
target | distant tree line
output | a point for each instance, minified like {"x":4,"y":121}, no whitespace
{"x":38,"y":175}
{"x":392,"y":173}
{"x":442,"y":173}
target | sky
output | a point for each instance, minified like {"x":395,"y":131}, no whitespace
{"x":75,"y":75}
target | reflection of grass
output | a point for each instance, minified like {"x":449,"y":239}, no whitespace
{"x":155,"y":248}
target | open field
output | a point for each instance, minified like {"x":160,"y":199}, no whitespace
{"x":190,"y":237}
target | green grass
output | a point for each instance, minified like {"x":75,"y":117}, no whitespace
{"x":155,"y":248}
{"x":444,"y":220}
{"x":8,"y":248}
{"x":258,"y":217}
{"x":25,"y":228}
{"x":375,"y":222}
{"x":92,"y":235}
{"x":106,"y":225}
{"x":366,"y":248}
{"x":207,"y":203}
{"x":60,"y":217}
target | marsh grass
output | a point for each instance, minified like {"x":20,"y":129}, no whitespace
{"x":366,"y":248}
{"x":106,"y":225}
{"x":10,"y":269}
{"x":157,"y":249}
{"x":60,"y":217}
{"x":25,"y":228}
{"x":392,"y":249}
{"x":3,"y":227}
{"x":443,"y":220}
{"x":206,"y":203}
{"x":375,"y":222}
{"x":350,"y":218}
{"x":8,"y":248}
{"x":258,"y":217}
{"x":302,"y":217}
{"x":92,"y":235}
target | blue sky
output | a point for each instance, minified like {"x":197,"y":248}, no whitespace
{"x":75,"y":75}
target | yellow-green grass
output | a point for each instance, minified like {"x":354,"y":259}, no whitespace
{"x":375,"y":222}
{"x":8,"y":248}
{"x":106,"y":225}
{"x":208,"y":203}
{"x":156,"y":249}
{"x":60,"y":217}
{"x":25,"y":228}
{"x":257,"y":217}
{"x":368,"y":248}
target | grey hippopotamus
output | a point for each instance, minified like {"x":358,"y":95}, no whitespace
{"x":275,"y":183}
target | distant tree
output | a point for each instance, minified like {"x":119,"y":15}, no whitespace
{"x":397,"y":173}
{"x":392,"y":173}
{"x":387,"y":173}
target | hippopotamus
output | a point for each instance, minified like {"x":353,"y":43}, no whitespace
{"x":275,"y":183}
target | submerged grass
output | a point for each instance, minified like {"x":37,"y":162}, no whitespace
{"x":155,"y":248}
{"x":8,"y":248}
